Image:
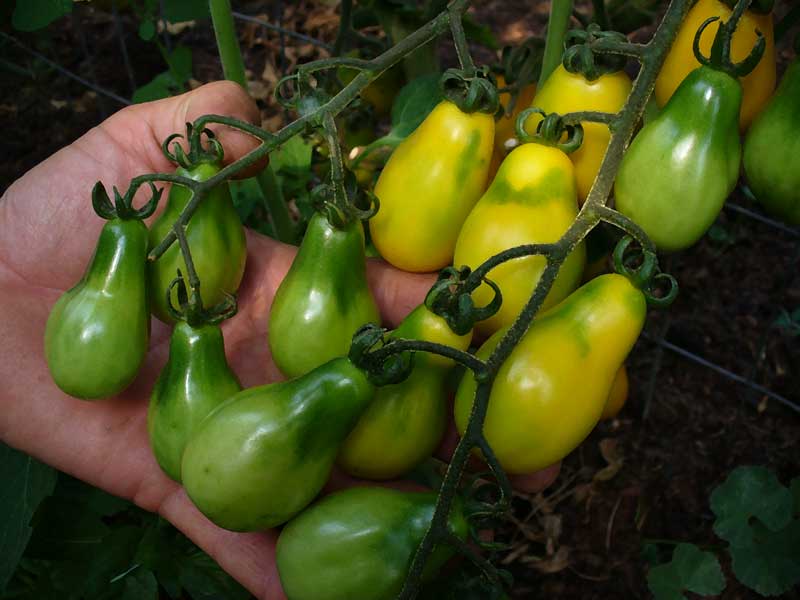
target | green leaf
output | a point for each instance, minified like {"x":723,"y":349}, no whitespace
{"x":26,"y":482}
{"x":30,"y":15}
{"x":757,"y":516}
{"x":689,"y":570}
{"x":413,"y":103}
{"x":204,"y":579}
{"x":246,"y":195}
{"x":169,"y":82}
{"x":147,"y":30}
{"x":140,"y":584}
{"x":794,"y":487}
{"x":750,"y":492}
{"x":180,"y":63}
{"x":769,"y":562}
{"x":294,"y":156}
{"x":160,"y":87}
{"x":177,"y":11}
{"x":480,"y":33}
{"x":106,"y":573}
{"x":650,"y":554}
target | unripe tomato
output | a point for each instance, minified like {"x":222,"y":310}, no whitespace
{"x":195,"y":381}
{"x":97,"y":333}
{"x":216,"y":241}
{"x":564,"y":92}
{"x":680,"y":61}
{"x":682,"y":166}
{"x":405,"y":422}
{"x":428,"y":187}
{"x":358,"y":544}
{"x":323,"y":299}
{"x":531,"y":201}
{"x":772,"y":151}
{"x":264,"y":454}
{"x":550,"y":392}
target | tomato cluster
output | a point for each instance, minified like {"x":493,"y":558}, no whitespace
{"x":458,"y":191}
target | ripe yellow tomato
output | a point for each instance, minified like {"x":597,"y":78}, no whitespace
{"x":618,"y":394}
{"x":531,"y":201}
{"x":757,"y":86}
{"x":505,"y":127}
{"x":550,"y":392}
{"x":429,"y":185}
{"x":566,"y":92}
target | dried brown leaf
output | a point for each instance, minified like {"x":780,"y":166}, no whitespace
{"x":609,"y":449}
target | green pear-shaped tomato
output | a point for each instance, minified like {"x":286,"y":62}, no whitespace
{"x":323,"y":300}
{"x":195,"y":380}
{"x":262,"y":456}
{"x":216,"y":241}
{"x":551,"y":390}
{"x":404,"y":424}
{"x":98,"y":332}
{"x":358,"y":544}
{"x":772,"y":150}
{"x":683,"y":164}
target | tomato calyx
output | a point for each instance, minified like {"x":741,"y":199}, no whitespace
{"x":200,"y":150}
{"x":122,"y":208}
{"x":471,"y":91}
{"x":341,"y":212}
{"x":582,"y":57}
{"x":720,"y":58}
{"x":190,"y":306}
{"x":550,"y":131}
{"x":519,"y":67}
{"x":451,"y":298}
{"x":381,"y":368}
{"x":641,"y":268}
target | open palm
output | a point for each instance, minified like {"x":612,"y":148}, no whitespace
{"x":48,"y":231}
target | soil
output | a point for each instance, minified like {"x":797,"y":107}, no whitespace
{"x":643,"y":476}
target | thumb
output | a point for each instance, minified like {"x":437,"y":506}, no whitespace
{"x":48,"y":211}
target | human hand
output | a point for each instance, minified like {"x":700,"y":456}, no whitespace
{"x":47,"y":233}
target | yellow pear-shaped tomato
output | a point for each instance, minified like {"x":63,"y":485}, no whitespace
{"x":618,"y":394}
{"x":531,"y":201}
{"x":550,"y":392}
{"x":680,"y":61}
{"x":564,"y":92}
{"x":428,"y":187}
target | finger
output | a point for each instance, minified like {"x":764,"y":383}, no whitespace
{"x":396,"y":292}
{"x":48,"y":213}
{"x":143,"y":127}
{"x":247,"y":557}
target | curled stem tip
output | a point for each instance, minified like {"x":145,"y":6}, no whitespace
{"x":641,"y":267}
{"x":550,"y":131}
{"x":450,"y":297}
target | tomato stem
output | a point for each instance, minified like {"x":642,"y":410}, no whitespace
{"x":560,"y":13}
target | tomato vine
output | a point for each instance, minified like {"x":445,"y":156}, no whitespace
{"x":318,"y":112}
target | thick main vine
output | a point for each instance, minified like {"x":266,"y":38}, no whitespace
{"x":318,"y":112}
